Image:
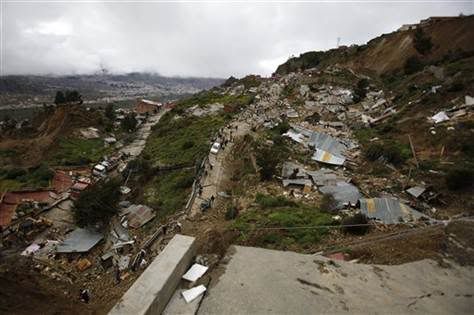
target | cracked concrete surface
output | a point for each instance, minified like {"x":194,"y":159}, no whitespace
{"x":262,"y":281}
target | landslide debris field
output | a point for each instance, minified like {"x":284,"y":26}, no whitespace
{"x":370,"y":162}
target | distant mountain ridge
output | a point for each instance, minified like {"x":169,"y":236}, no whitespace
{"x":41,"y":88}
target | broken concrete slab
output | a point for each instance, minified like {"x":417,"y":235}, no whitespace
{"x":258,"y":281}
{"x":80,"y":241}
{"x":151,"y":292}
{"x":193,"y":293}
{"x":195,"y":272}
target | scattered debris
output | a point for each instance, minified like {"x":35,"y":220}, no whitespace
{"x":343,"y":193}
{"x":193,"y":293}
{"x":83,"y":264}
{"x":195,"y":272}
{"x":416,"y":191}
{"x":440,"y":117}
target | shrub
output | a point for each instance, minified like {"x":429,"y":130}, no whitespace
{"x":266,"y":201}
{"x":110,"y":112}
{"x":231,"y":213}
{"x":328,"y":203}
{"x":187,"y":145}
{"x":460,"y":178}
{"x":281,"y":128}
{"x":360,"y":90}
{"x":356,"y":219}
{"x":422,"y":42}
{"x":129,"y":123}
{"x":413,"y":65}
{"x":394,"y":153}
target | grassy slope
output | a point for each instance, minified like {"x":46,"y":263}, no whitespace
{"x":256,"y":223}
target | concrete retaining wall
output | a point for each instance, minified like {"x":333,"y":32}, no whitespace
{"x":153,"y":289}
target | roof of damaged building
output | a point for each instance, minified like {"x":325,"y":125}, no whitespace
{"x":324,"y":177}
{"x":138,"y":215}
{"x":79,"y":241}
{"x":389,"y":210}
{"x":328,"y":149}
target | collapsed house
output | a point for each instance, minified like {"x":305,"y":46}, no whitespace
{"x":327,"y":182}
{"x":328,"y":149}
{"x":79,"y":241}
{"x":389,"y":210}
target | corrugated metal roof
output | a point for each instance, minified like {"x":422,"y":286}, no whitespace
{"x":79,"y":241}
{"x":139,"y":215}
{"x":328,"y":158}
{"x":389,"y":210}
{"x":324,"y":177}
{"x":344,"y":193}
{"x":328,"y":149}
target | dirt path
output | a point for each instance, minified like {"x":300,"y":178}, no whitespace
{"x":135,"y":148}
{"x":214,"y":174}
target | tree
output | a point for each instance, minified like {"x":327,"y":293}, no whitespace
{"x":97,"y":204}
{"x":422,"y":42}
{"x":110,"y":112}
{"x":129,"y":123}
{"x":73,"y":96}
{"x":412,"y":65}
{"x":60,"y":98}
{"x":361,"y":90}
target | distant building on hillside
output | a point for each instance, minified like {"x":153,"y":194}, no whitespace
{"x":146,"y":106}
{"x":407,"y":27}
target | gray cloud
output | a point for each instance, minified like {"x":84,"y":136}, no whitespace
{"x":191,"y":39}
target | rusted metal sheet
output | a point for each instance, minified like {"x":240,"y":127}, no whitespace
{"x":6,"y":213}
{"x":327,"y":157}
{"x":139,"y":215}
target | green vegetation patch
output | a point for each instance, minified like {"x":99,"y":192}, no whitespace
{"x":76,"y":151}
{"x":182,"y":141}
{"x":168,"y":192}
{"x":16,"y":178}
{"x":299,"y":223}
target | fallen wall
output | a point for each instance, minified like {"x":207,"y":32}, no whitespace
{"x":154,"y":288}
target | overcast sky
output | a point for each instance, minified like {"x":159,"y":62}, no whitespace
{"x":191,"y":39}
